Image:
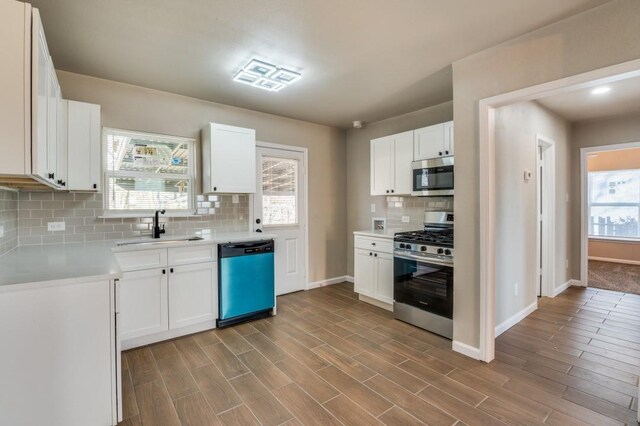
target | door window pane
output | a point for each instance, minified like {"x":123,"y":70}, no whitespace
{"x":279,"y":191}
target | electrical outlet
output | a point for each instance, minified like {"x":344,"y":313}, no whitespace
{"x":373,"y":208}
{"x":406,"y":219}
{"x":515,"y":289}
{"x":55,"y":226}
{"x":1,"y":231}
{"x":235,"y":198}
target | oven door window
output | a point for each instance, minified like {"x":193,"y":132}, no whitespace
{"x":424,"y":285}
{"x":433,"y":178}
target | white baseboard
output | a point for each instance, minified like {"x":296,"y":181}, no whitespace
{"x":329,"y":281}
{"x":514,"y":319}
{"x":464,"y":349}
{"x":348,"y":278}
{"x":563,"y":287}
{"x":606,"y":259}
{"x":374,"y":302}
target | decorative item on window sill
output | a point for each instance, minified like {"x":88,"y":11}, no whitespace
{"x":207,"y":204}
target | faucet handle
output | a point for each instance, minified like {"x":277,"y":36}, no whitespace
{"x":162,"y":231}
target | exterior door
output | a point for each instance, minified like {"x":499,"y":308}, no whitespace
{"x":279,"y":209}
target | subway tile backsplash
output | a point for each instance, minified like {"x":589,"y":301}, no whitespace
{"x":393,"y":208}
{"x":80,"y":212}
{"x":8,"y":221}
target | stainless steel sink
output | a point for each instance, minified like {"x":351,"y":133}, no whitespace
{"x":158,"y":241}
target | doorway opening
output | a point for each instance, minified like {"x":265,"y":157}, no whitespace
{"x":279,"y":207}
{"x":610,"y":178}
{"x":579,"y":89}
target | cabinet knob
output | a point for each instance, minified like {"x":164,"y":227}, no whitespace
{"x":392,"y":191}
{"x":387,"y":191}
{"x":171,"y":270}
{"x":95,"y":186}
{"x":215,"y":188}
{"x":370,"y":254}
{"x":375,"y":255}
{"x":440,"y":153}
{"x":164,"y":271}
{"x":446,"y":152}
{"x":51,"y":175}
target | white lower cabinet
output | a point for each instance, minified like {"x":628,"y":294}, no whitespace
{"x":143,"y":302}
{"x":166,"y":293}
{"x":193,"y":294}
{"x":373,"y":269}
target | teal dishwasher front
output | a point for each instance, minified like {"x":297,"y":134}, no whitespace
{"x":246,"y":281}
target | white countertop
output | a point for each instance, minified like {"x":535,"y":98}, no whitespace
{"x":385,"y":233}
{"x":67,"y":263}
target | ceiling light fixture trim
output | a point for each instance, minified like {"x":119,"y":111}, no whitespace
{"x":266,"y":76}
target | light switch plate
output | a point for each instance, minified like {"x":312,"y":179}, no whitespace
{"x":235,"y":198}
{"x":406,"y":219}
{"x":55,"y":226}
{"x":373,"y":208}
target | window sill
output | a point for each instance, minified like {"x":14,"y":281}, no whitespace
{"x":147,"y":214}
{"x":615,"y":239}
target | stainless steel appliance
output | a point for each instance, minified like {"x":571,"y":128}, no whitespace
{"x":433,"y":177}
{"x":423,"y":275}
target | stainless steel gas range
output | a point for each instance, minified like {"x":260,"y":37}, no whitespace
{"x":423,"y":275}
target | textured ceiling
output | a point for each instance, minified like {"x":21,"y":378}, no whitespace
{"x":581,"y":104}
{"x":360,"y":59}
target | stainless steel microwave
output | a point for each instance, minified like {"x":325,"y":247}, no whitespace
{"x":433,"y":177}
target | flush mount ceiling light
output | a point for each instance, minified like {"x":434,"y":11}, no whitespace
{"x":601,"y":90}
{"x":266,"y":76}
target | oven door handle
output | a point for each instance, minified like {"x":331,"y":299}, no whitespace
{"x":423,"y":259}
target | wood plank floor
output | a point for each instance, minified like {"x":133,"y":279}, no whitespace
{"x":329,"y":359}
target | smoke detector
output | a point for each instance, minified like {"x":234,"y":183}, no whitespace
{"x":358,"y":124}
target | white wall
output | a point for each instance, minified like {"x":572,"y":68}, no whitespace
{"x":516,"y":203}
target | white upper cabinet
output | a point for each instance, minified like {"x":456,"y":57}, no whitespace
{"x":391,"y":158}
{"x":40,"y":74}
{"x":433,"y":141}
{"x":15,"y":88}
{"x":228,"y":159}
{"x":83,"y":140}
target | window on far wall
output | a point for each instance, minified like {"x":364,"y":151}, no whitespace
{"x":614,"y":203}
{"x":144,"y":172}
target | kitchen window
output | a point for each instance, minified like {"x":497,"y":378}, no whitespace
{"x":145,"y":172}
{"x":614,"y":204}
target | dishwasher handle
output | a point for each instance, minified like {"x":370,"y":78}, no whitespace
{"x":245,"y":248}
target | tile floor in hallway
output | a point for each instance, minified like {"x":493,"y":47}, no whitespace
{"x":327,"y":358}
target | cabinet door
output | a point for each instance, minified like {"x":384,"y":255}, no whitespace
{"x":143,"y":303}
{"x":363,"y":272}
{"x":383,"y":271}
{"x":382,"y":166}
{"x":83,"y":128}
{"x":230,"y":159}
{"x":62,"y":174}
{"x":428,"y":142}
{"x":193,"y":294}
{"x":53,"y":100}
{"x":40,"y":90}
{"x":403,"y":156}
{"x":448,"y":138}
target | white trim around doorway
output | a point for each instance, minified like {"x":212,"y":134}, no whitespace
{"x":584,"y":203}
{"x":546,"y":238}
{"x":305,"y":201}
{"x":487,"y":184}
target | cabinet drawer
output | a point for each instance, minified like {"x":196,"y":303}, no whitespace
{"x":192,"y":254}
{"x":143,"y":259}
{"x":377,"y":244}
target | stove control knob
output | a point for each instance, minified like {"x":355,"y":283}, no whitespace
{"x":407,"y":246}
{"x":440,"y":251}
{"x":447,"y":252}
{"x":401,"y":245}
{"x":423,"y":248}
